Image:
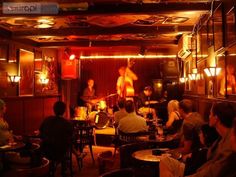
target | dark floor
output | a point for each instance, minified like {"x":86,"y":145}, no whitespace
{"x":89,"y":169}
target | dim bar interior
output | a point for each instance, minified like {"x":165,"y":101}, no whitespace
{"x":53,"y":50}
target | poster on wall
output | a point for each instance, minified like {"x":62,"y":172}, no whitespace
{"x":26,"y":69}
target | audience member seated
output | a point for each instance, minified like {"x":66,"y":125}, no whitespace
{"x":118,"y":115}
{"x":228,"y":169}
{"x":146,"y":100}
{"x":56,"y":134}
{"x":191,"y":126}
{"x":132,"y":123}
{"x":6,"y":135}
{"x":221,"y":118}
{"x":174,"y":123}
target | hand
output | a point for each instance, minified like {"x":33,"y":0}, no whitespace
{"x":130,"y":63}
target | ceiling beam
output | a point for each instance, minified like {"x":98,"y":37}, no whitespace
{"x":108,"y":43}
{"x":130,"y":8}
{"x":102,"y":31}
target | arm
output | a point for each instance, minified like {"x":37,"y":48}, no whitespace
{"x":171,"y":119}
{"x":131,"y":74}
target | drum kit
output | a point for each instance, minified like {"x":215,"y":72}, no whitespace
{"x":99,"y":117}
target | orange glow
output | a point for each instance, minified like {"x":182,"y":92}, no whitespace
{"x":127,"y":56}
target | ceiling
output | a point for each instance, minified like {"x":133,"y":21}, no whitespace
{"x":106,"y":23}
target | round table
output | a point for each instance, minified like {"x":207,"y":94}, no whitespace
{"x":12,"y":147}
{"x":148,"y":156}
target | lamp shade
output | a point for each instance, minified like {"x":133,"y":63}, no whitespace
{"x":212,"y":71}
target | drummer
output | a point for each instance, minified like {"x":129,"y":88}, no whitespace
{"x":145,"y":104}
{"x":89,"y":95}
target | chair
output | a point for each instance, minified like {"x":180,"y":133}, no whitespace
{"x":122,"y":138}
{"x":39,"y":171}
{"x":83,"y":135}
{"x":105,"y":161}
{"x":126,"y":172}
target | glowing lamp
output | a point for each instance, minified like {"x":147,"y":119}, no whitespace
{"x":14,"y":79}
{"x":212,"y":71}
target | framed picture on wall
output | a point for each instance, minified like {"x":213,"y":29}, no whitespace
{"x":221,"y":78}
{"x":201,"y":80}
{"x":26,"y":70}
{"x":218,"y":28}
{"x":210,"y":35}
{"x":231,"y":71}
{"x":3,"y":52}
{"x":38,"y":60}
{"x":231,"y":26}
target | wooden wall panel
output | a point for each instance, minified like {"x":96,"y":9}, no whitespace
{"x":15,"y":115}
{"x":33,"y":114}
{"x":25,"y":114}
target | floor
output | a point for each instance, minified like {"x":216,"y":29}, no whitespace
{"x":90,"y":169}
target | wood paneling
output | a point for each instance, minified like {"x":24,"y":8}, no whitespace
{"x":25,"y":114}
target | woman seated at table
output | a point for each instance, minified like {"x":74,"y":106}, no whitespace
{"x":174,"y":123}
{"x":190,"y":162}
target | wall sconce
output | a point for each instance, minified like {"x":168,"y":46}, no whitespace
{"x":14,"y":79}
{"x":43,"y":79}
{"x":183,"y":79}
{"x":212,"y":71}
{"x":194,"y":75}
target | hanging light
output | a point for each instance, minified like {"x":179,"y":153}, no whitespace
{"x":212,"y":71}
{"x":194,"y":75}
{"x":183,"y":79}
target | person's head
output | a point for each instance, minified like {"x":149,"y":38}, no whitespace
{"x":173,"y":105}
{"x":59,"y":108}
{"x":122,"y":71}
{"x":121,"y":103}
{"x":90,"y":83}
{"x":147,"y":91}
{"x":233,"y":136}
{"x":2,"y":107}
{"x":221,"y":114}
{"x":185,"y":107}
{"x":208,"y":135}
{"x":129,"y":106}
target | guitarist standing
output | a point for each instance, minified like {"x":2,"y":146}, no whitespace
{"x":124,"y":85}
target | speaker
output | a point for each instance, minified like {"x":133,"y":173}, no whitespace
{"x":170,"y":69}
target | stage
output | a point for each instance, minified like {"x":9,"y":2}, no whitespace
{"x":104,"y":136}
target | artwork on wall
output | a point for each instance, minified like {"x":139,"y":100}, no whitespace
{"x":220,"y":86}
{"x":26,"y":69}
{"x":3,"y":52}
{"x":201,"y":80}
{"x":231,"y":26}
{"x":46,"y":80}
{"x":231,"y":71}
{"x":38,"y":60}
{"x":210,"y":39}
{"x":218,"y":28}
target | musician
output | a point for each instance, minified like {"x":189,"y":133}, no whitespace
{"x":146,"y":100}
{"x":89,"y":95}
{"x":124,"y":85}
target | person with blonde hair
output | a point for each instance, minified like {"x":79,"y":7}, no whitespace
{"x":175,"y":121}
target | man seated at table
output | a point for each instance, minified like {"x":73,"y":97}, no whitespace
{"x":56,"y":134}
{"x":118,"y":115}
{"x":146,"y":101}
{"x":191,"y":125}
{"x":132,"y":123}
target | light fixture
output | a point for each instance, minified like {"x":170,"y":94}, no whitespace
{"x":212,"y":71}
{"x":183,"y":79}
{"x":43,"y":79}
{"x":194,"y":75}
{"x":14,"y":79}
{"x":72,"y":57}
